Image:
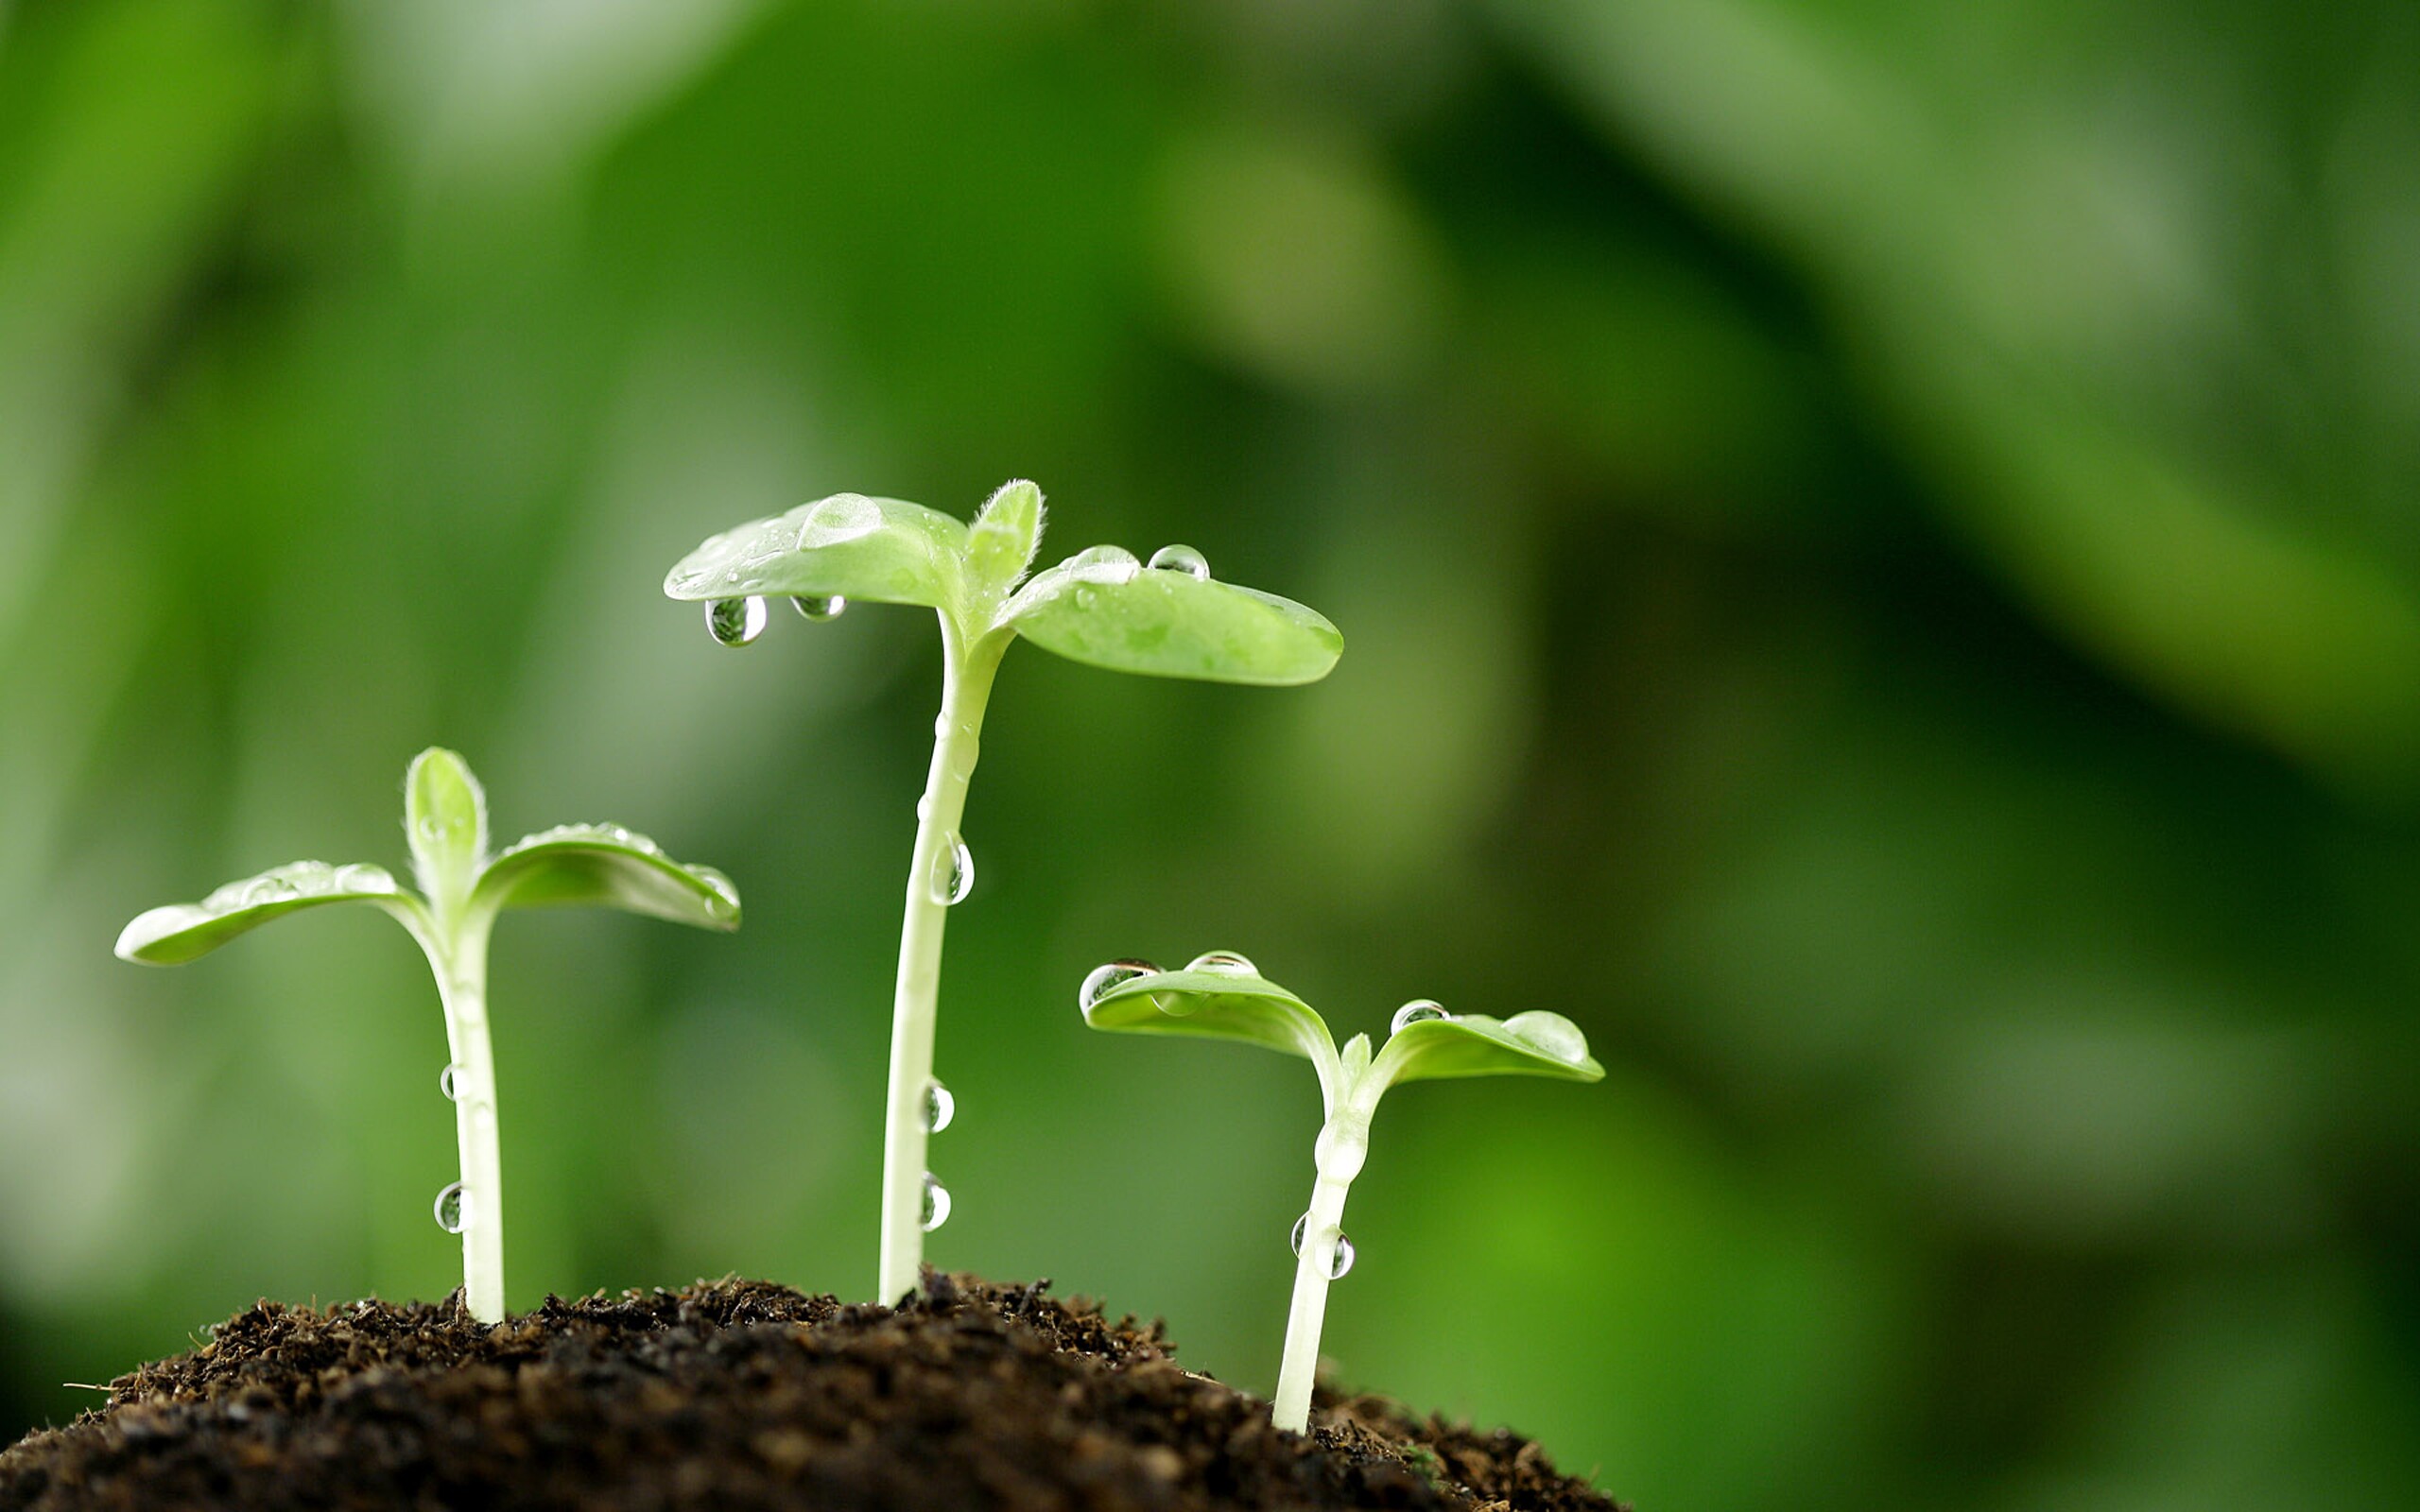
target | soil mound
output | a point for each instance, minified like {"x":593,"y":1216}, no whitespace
{"x":740,"y":1395}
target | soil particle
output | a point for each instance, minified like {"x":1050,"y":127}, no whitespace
{"x":740,"y":1395}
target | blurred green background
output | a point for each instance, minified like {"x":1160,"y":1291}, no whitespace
{"x":1879,"y":554}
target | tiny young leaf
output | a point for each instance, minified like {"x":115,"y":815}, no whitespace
{"x":609,"y":865}
{"x":884,"y":551}
{"x":177,"y":933}
{"x":1166,"y":622}
{"x":1005,"y":534}
{"x":445,"y":821}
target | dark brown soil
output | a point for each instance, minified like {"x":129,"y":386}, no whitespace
{"x":740,"y":1395}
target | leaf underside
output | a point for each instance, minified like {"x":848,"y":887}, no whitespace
{"x":600,"y":865}
{"x":1166,"y":622}
{"x":1527,"y":1044}
{"x":885,"y":551}
{"x":1215,"y":1006}
{"x":181,"y":932}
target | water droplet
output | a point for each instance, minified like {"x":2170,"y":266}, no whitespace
{"x":953,"y":873}
{"x":1338,"y":1262}
{"x":842,"y":517}
{"x":453,"y":1207}
{"x":449,"y":1081}
{"x":735,"y":620}
{"x":1223,"y":963}
{"x":936,"y":1203}
{"x":1419,"y":1010}
{"x":269,"y":889}
{"x":1550,"y":1032}
{"x":939,"y":1107}
{"x":1102,"y":978}
{"x":1181,"y":559}
{"x":819,"y":610}
{"x":1086,"y":598}
{"x":362,"y":877}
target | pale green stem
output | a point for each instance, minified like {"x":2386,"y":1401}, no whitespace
{"x":1343,"y":1143}
{"x":462,"y":967}
{"x":966,"y":687}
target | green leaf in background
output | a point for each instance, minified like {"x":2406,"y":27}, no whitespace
{"x":885,"y":551}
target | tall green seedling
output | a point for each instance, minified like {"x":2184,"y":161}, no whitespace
{"x":463,"y":888}
{"x":1223,"y":996}
{"x":1167,"y":617}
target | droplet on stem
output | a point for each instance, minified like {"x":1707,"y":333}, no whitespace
{"x":936,"y":1203}
{"x":735,"y":620}
{"x":818,"y":610}
{"x":1102,"y":978}
{"x":453,"y":1207}
{"x":939,"y":1107}
{"x":1223,"y":963}
{"x":449,"y":1081}
{"x":1419,"y":1010}
{"x":1338,"y":1262}
{"x":1181,"y":559}
{"x":953,"y":873}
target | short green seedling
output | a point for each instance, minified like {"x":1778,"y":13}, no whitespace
{"x":1223,"y":996}
{"x":1167,"y":617}
{"x":462,"y":889}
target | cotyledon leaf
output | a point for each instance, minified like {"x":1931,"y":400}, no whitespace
{"x":181,"y":932}
{"x":1218,"y":1005}
{"x":885,"y":551}
{"x":604,"y":863}
{"x":1102,"y":607}
{"x":1536,"y":1043}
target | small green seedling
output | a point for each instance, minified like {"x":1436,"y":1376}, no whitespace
{"x":462,"y":889}
{"x":1223,"y":996}
{"x":1167,"y":617}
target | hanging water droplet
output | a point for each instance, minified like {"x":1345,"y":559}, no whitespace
{"x":449,"y":1081}
{"x":939,"y":1107}
{"x":1102,"y":978}
{"x":1181,"y":559}
{"x":453,"y":1207}
{"x":1338,"y":1262}
{"x":1223,"y":963}
{"x":735,"y":620}
{"x":819,"y":610}
{"x":936,"y":1203}
{"x":1419,"y":1010}
{"x":953,"y":873}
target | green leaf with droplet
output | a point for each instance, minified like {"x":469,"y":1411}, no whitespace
{"x":1536,"y":1043}
{"x":1217,"y":1005}
{"x":1005,"y":534}
{"x":1100,"y":608}
{"x":445,"y":822}
{"x":885,"y":551}
{"x":608,"y":866}
{"x":181,"y":932}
